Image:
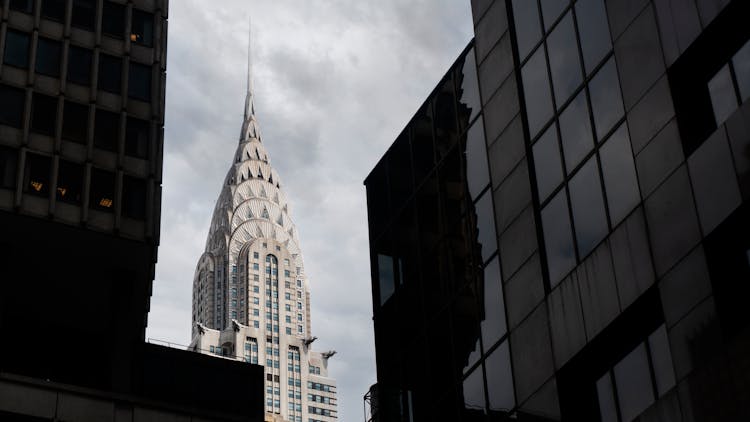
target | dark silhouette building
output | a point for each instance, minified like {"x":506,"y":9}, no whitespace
{"x":562,"y":230}
{"x":81,"y":132}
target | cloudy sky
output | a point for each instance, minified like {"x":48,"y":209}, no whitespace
{"x":335,"y":82}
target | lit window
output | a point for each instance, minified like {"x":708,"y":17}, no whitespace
{"x":142,"y":31}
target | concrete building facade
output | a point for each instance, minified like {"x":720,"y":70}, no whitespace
{"x":82,"y":88}
{"x":251,"y":296}
{"x":564,"y":221}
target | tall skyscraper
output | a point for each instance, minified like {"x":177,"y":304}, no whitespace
{"x":82,"y":90}
{"x":562,"y":230}
{"x":251,"y":298}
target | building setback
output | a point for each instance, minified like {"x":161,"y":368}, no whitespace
{"x":251,"y":297}
{"x":562,"y":231}
{"x":81,"y":133}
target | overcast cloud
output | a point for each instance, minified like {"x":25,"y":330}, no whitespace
{"x":335,"y":83}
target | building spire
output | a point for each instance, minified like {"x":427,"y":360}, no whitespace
{"x":249,"y":105}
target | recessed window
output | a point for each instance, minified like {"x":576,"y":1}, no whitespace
{"x":110,"y":73}
{"x":17,"y":49}
{"x":26,"y":6}
{"x":44,"y":114}
{"x":75,"y":122}
{"x":48,"y":54}
{"x":106,"y":130}
{"x":137,"y":138}
{"x":139,"y":82}
{"x":113,"y":19}
{"x":13,"y":100}
{"x":142,"y":31}
{"x":69,"y":182}
{"x":102,"y":195}
{"x":79,"y":65}
{"x":84,"y":14}
{"x":8,"y":166}
{"x":134,"y":201}
{"x":36,"y":174}
{"x":54,"y":9}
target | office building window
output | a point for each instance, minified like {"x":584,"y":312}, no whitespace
{"x":37,"y":174}
{"x":84,"y":14}
{"x":635,"y":382}
{"x":139,"y":82}
{"x":102,"y":194}
{"x":43,"y":114}
{"x":26,"y":6}
{"x":13,"y":100}
{"x":110,"y":73}
{"x":134,"y":197}
{"x":142,"y":31}
{"x":48,"y":54}
{"x":69,"y":182}
{"x":75,"y":122}
{"x":8,"y":165}
{"x":53,"y":9}
{"x":137,"y":138}
{"x":79,"y":65}
{"x":113,"y":19}
{"x":730,"y":86}
{"x":106,"y":130}
{"x":16,"y":49}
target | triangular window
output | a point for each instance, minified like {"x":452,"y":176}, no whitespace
{"x":265,"y":213}
{"x":263,"y":193}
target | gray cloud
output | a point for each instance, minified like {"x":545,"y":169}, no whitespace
{"x":335,"y":82}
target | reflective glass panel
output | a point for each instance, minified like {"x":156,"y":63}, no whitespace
{"x":487,"y":238}
{"x":607,"y":408}
{"x":536,"y":91}
{"x":741,"y":62}
{"x":477,"y":173}
{"x":661,"y":359}
{"x":586,"y":199}
{"x":564,"y":64}
{"x":500,"y":379}
{"x":606,"y":101}
{"x":575,"y":130}
{"x":547,"y":163}
{"x":386,"y":277}
{"x":593,"y":28}
{"x":468,"y":89}
{"x":493,"y":324}
{"x":474,"y":390}
{"x":48,"y":54}
{"x":551,"y":10}
{"x":528,"y":31}
{"x":16,"y":49}
{"x":558,"y":237}
{"x":620,"y":181}
{"x":723,"y":98}
{"x":633,"y":381}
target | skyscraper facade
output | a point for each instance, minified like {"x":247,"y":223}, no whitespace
{"x":561,"y":231}
{"x":251,"y":297}
{"x":82,"y":97}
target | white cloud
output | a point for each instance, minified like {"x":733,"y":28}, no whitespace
{"x":335,"y":82}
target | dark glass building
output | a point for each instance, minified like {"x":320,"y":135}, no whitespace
{"x":81,"y":133}
{"x":562,"y":230}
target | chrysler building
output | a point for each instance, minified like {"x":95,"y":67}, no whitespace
{"x":251,"y":296}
